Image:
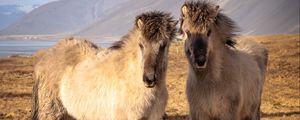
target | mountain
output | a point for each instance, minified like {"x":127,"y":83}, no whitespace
{"x":9,"y":14}
{"x":61,"y":17}
{"x":121,"y":20}
{"x":254,"y":17}
{"x":115,"y":18}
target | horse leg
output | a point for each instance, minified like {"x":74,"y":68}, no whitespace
{"x":228,"y":116}
{"x":254,"y":114}
{"x":198,"y":114}
{"x":165,"y":116}
{"x":231,"y":110}
{"x":47,"y":105}
{"x":258,"y":113}
{"x":158,"y":111}
{"x":157,"y":114}
{"x":199,"y":117}
{"x":51,"y":108}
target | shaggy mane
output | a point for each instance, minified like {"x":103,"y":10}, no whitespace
{"x":156,"y":26}
{"x":201,"y":14}
{"x":119,"y":44}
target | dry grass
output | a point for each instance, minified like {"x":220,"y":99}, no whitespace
{"x":15,"y":87}
{"x":281,"y":97}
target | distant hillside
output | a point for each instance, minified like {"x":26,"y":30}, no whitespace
{"x":252,"y":16}
{"x":115,"y":18}
{"x":9,"y":14}
{"x":121,"y":20}
{"x":63,"y":16}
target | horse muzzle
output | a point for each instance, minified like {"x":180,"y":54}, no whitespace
{"x":149,"y":80}
{"x":200,"y":62}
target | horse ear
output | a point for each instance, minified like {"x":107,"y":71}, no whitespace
{"x":140,"y":23}
{"x":217,"y":10}
{"x":184,"y":10}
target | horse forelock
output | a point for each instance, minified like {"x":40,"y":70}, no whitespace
{"x":157,"y":26}
{"x":202,"y":14}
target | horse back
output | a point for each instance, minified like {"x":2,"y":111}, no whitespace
{"x":247,"y":45}
{"x":67,"y":52}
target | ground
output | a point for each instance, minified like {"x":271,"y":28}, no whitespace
{"x":280,"y":100}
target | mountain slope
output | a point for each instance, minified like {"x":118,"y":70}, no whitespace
{"x":115,"y":18}
{"x":252,"y":17}
{"x":59,"y":17}
{"x":9,"y":14}
{"x":120,"y":21}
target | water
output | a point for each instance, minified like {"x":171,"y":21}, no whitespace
{"x":28,"y":47}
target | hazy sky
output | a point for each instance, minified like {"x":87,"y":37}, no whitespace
{"x":25,"y":5}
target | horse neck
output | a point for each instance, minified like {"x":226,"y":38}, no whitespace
{"x":131,"y":46}
{"x":129,"y":56}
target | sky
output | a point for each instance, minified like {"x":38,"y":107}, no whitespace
{"x":25,"y":5}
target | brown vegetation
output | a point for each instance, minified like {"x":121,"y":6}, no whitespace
{"x":281,"y":96}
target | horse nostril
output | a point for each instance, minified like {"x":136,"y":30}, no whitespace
{"x":149,"y":80}
{"x":201,"y":58}
{"x":150,"y":77}
{"x":201,"y":61}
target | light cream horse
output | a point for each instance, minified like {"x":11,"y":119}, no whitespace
{"x":225,"y":78}
{"x":77,"y":80}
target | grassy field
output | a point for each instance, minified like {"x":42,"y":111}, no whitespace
{"x":281,"y":96}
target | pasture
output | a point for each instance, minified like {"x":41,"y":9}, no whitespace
{"x":281,"y":95}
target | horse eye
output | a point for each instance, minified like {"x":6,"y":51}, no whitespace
{"x":188,"y":33}
{"x":209,"y":32}
{"x":188,"y":52}
{"x":141,"y":46}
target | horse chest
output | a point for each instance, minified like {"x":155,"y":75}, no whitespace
{"x":212,"y":98}
{"x":210,"y":101}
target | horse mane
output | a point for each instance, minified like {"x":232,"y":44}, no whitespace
{"x":119,"y":44}
{"x":227,"y":27}
{"x":202,"y":14}
{"x":156,"y":26}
